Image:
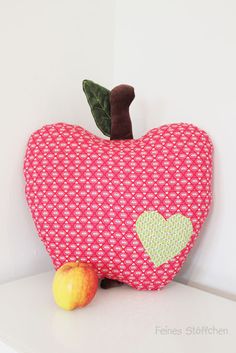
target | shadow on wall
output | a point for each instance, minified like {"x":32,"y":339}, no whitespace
{"x":193,"y":262}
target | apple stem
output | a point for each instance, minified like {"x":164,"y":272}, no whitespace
{"x":120,"y":99}
{"x":121,"y":129}
{"x":107,"y":283}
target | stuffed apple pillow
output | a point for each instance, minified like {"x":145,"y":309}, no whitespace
{"x":131,"y":207}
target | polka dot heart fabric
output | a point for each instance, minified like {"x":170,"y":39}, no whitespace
{"x":86,"y":193}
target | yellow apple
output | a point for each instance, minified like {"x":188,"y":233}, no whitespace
{"x":74,"y":285}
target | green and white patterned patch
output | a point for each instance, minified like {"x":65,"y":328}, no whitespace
{"x":163,"y":239}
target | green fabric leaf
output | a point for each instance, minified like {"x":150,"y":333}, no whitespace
{"x":98,"y":99}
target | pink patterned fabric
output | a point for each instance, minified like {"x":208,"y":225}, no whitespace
{"x":85,"y":194}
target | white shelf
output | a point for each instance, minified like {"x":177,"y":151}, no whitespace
{"x":118,"y":320}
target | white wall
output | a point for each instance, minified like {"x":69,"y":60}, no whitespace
{"x":47,"y":48}
{"x":180,"y":55}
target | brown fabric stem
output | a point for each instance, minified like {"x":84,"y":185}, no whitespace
{"x":107,"y":283}
{"x":121,"y":129}
{"x":120,"y":99}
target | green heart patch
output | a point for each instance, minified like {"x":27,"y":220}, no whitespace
{"x":163,"y":239}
